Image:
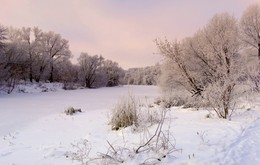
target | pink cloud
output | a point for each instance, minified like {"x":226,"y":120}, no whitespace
{"x":119,"y":30}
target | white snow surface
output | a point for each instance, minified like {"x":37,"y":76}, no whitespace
{"x":35,"y":130}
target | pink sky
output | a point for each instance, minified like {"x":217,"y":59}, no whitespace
{"x":120,"y":30}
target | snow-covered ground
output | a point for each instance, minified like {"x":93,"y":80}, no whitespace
{"x":35,"y":130}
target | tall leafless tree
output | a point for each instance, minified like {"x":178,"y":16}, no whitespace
{"x":89,"y":66}
{"x":207,"y":62}
{"x":55,"y":47}
{"x":250,"y":26}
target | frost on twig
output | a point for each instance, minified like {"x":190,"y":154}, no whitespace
{"x":161,"y":142}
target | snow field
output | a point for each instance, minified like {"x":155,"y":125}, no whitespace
{"x":34,"y":130}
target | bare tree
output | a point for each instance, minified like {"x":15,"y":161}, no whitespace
{"x":3,"y":33}
{"x":30,"y":42}
{"x":208,"y":61}
{"x":174,"y":54}
{"x":55,"y":47}
{"x":14,"y":67}
{"x":220,"y":43}
{"x":250,"y":30}
{"x":66,"y":72}
{"x":113,"y":73}
{"x":89,"y":66}
{"x":250,"y":26}
{"x":3,"y":36}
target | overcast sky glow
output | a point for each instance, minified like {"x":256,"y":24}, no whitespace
{"x":120,"y":30}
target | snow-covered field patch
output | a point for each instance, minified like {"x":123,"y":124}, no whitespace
{"x":23,"y":87}
{"x":35,"y":130}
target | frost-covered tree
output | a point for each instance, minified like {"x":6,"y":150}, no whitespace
{"x":176,"y":56}
{"x":250,"y":26}
{"x":15,"y":67}
{"x":206,"y":64}
{"x":250,"y":32}
{"x":3,"y":32}
{"x":142,"y":76}
{"x":65,"y":72}
{"x":28,"y":39}
{"x":3,"y":36}
{"x":55,"y":47}
{"x":88,"y":68}
{"x":113,"y":73}
{"x":32,"y":54}
{"x":13,"y":61}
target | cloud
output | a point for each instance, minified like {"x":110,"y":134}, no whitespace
{"x":120,"y":30}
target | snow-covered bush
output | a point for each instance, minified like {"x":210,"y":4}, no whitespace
{"x":71,"y":111}
{"x":169,"y":101}
{"x":71,"y":86}
{"x":124,"y":113}
{"x":147,"y":116}
{"x":80,"y":151}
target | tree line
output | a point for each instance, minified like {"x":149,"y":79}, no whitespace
{"x":33,"y":55}
{"x":143,"y":76}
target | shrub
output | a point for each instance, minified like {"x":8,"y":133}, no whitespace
{"x":71,"y":111}
{"x":148,"y":116}
{"x":70,"y":86}
{"x":124,"y":113}
{"x":169,"y":101}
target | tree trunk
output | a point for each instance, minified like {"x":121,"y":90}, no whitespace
{"x":37,"y":79}
{"x":87,"y":84}
{"x":30,"y":74}
{"x":259,"y":50}
{"x":226,"y":100}
{"x":51,"y":76}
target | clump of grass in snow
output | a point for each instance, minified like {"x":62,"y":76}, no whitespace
{"x":71,"y":111}
{"x":124,"y":113}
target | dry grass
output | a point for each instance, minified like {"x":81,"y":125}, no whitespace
{"x":124,"y":113}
